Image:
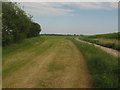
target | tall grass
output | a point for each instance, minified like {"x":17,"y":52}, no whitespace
{"x":102,"y":66}
{"x":108,"y":36}
{"x":109,"y":45}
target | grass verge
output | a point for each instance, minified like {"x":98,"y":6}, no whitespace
{"x":102,"y":66}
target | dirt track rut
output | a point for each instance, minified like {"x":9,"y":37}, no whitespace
{"x":61,"y":66}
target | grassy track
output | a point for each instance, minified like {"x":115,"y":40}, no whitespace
{"x":58,"y":62}
{"x":53,"y":62}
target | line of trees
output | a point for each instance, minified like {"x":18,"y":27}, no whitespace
{"x":16,"y":24}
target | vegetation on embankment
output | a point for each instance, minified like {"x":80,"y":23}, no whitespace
{"x":103,"y":67}
{"x":17,"y":24}
{"x":109,"y":45}
{"x":95,"y":39}
{"x":109,"y":36}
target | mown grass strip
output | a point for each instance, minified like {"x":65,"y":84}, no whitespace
{"x":38,"y":50}
{"x":21,"y":47}
{"x":103,"y":67}
{"x":54,"y":66}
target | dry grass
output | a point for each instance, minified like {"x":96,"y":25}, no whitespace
{"x":108,"y":40}
{"x":56,"y":63}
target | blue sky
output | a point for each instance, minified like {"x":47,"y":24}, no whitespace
{"x":74,"y":18}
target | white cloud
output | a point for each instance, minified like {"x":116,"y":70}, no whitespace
{"x":47,"y":9}
{"x":55,"y":9}
{"x":97,"y":5}
{"x":63,"y":0}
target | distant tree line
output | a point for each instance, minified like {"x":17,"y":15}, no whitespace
{"x":16,"y":24}
{"x":62,"y":34}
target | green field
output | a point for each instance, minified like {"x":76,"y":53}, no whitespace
{"x":58,"y":62}
{"x":110,"y":40}
{"x":108,"y":36}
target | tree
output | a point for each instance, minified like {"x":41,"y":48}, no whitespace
{"x":34,"y":30}
{"x":17,"y":25}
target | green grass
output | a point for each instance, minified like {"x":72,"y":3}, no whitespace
{"x":30,"y":46}
{"x":102,"y":66}
{"x":109,"y":36}
{"x":109,"y":45}
{"x":37,"y":46}
{"x":112,"y":36}
{"x":24,"y":45}
{"x":55,"y":66}
{"x":0,"y":67}
{"x":42,"y":83}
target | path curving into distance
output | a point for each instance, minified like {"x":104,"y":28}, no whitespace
{"x":55,"y":63}
{"x":108,"y":50}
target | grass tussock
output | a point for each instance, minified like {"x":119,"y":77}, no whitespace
{"x":103,"y":67}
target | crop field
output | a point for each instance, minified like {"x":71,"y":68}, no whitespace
{"x":58,"y":62}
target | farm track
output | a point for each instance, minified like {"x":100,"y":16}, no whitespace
{"x":61,"y":65}
{"x":108,"y":50}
